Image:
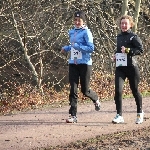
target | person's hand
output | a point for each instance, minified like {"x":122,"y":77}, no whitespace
{"x":123,"y":49}
{"x":114,"y":58}
{"x":62,"y":51}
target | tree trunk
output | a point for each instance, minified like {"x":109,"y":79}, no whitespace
{"x":27,"y":57}
{"x":136,"y":14}
{"x":125,"y":7}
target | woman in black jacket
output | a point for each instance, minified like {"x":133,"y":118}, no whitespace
{"x":128,"y":46}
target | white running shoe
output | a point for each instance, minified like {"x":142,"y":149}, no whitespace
{"x":71,"y":119}
{"x":118,"y":119}
{"x":140,"y":118}
{"x":97,"y":105}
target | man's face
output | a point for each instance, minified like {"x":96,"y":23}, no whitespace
{"x":78,"y":22}
{"x":125,"y":25}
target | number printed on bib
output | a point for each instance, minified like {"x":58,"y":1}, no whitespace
{"x":75,"y":54}
{"x":121,"y":59}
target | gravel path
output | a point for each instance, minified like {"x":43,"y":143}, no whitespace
{"x":44,"y":128}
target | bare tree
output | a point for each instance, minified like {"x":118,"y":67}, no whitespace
{"x":32,"y":27}
{"x":33,"y":32}
{"x":125,"y":7}
{"x":136,"y":13}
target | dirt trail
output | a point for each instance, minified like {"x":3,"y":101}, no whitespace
{"x":43,"y":128}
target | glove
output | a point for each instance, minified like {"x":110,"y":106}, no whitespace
{"x":127,"y":50}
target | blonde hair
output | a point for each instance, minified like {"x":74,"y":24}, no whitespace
{"x":126,"y":17}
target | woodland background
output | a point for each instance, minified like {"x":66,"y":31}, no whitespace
{"x":33,"y":72}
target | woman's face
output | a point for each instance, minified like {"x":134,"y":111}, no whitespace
{"x":125,"y":25}
{"x":78,"y":22}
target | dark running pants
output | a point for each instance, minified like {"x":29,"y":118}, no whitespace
{"x":82,"y":73}
{"x":133,"y":75}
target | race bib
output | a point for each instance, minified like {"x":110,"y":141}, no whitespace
{"x":121,"y":59}
{"x":75,"y":54}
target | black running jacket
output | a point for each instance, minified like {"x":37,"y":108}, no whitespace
{"x":130,"y":40}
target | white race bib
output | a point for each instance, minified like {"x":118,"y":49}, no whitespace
{"x":121,"y":59}
{"x":75,"y":54}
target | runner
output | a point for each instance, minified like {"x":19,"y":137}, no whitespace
{"x":80,"y":64}
{"x":128,"y":46}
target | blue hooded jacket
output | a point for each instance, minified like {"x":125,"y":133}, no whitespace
{"x":81,"y":39}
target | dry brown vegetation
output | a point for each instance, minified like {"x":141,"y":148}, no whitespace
{"x":25,"y":97}
{"x":32,"y":71}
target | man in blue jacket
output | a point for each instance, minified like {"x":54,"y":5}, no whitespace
{"x":80,"y":64}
